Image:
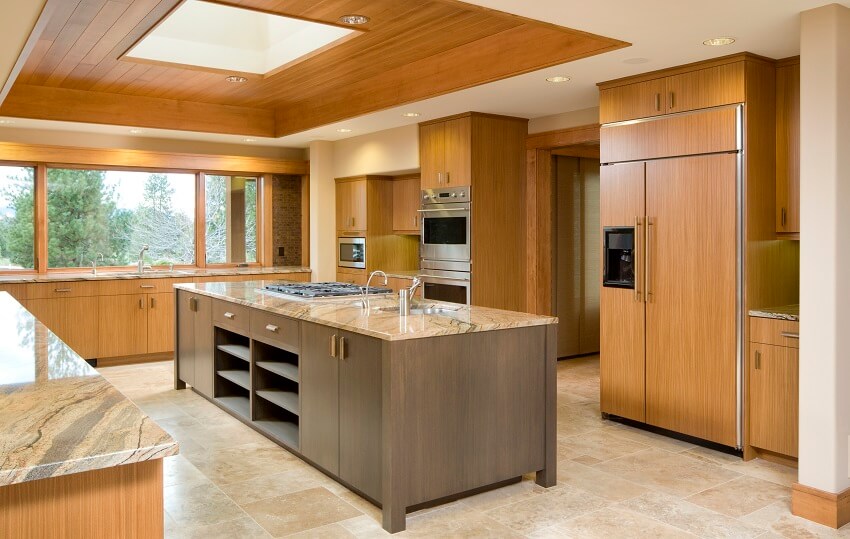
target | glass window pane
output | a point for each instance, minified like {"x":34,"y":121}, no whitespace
{"x":17,"y":218}
{"x":114,"y":213}
{"x":231,"y":212}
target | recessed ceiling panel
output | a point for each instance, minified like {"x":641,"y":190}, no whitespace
{"x":227,"y":38}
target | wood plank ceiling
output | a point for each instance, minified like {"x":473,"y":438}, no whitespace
{"x":410,"y":50}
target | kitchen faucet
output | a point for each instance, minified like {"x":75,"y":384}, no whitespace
{"x":141,"y":265}
{"x":405,"y":296}
{"x":368,"y":283}
{"x":94,"y":263}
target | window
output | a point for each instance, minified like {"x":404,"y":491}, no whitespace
{"x":114,"y":213}
{"x":17,"y":218}
{"x":231,"y":215}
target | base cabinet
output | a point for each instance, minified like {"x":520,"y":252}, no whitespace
{"x":74,"y":320}
{"x":195,"y":346}
{"x":123,"y":325}
{"x":774,"y":385}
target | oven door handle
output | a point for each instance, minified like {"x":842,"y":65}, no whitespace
{"x":443,"y":210}
{"x":426,"y":277}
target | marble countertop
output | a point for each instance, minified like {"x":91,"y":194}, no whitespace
{"x":58,"y":416}
{"x":106,"y":275}
{"x":350,"y":315}
{"x":786,"y":312}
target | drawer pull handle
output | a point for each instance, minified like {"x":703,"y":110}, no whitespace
{"x":333,"y":345}
{"x":229,"y":315}
{"x":148,"y":286}
{"x":62,"y":290}
{"x":193,"y":304}
{"x":758,"y":359}
{"x":342,"y":348}
{"x":141,"y":303}
{"x":273,"y":328}
{"x":790,"y":335}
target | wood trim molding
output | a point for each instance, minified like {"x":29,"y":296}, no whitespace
{"x":101,"y":157}
{"x":40,"y":225}
{"x":825,"y":508}
{"x":40,"y":24}
{"x":549,"y":140}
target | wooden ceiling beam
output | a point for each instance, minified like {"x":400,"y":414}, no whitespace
{"x":62,"y":104}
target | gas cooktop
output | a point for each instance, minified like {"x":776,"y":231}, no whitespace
{"x":323,"y":290}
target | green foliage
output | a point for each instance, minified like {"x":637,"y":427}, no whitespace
{"x":17,"y":231}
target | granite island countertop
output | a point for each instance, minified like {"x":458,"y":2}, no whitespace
{"x":786,"y":312}
{"x":350,"y":315}
{"x":58,"y":416}
{"x":106,"y":275}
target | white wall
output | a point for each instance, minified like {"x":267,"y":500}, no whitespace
{"x":824,"y":257}
{"x":322,"y":211}
{"x":385,"y":152}
{"x":564,"y":120}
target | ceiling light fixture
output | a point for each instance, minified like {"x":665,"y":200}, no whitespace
{"x":636,"y":61}
{"x":354,"y":19}
{"x":719,"y":41}
{"x":136,"y":131}
{"x":410,"y":114}
{"x":7,"y":122}
{"x":249,"y":140}
{"x":235,"y":78}
{"x":558,"y":78}
{"x":343,"y":130}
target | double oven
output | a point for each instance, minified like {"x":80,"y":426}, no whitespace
{"x":444,"y":251}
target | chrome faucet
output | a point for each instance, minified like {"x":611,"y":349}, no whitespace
{"x":141,"y":264}
{"x":405,"y":296}
{"x":368,"y":284}
{"x":94,"y":263}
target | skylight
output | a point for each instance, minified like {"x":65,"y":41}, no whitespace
{"x":228,"y":38}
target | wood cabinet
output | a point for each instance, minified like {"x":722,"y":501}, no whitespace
{"x":406,"y":197}
{"x":351,"y":205}
{"x":195,"y":342}
{"x":684,"y":90}
{"x":773,"y":386}
{"x":341,"y":405}
{"x":445,"y":153}
{"x":788,"y":147}
{"x":351,"y":276}
{"x":123,"y":325}
{"x":160,"y":323}
{"x":74,"y":320}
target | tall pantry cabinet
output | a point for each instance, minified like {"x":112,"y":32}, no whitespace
{"x":693,"y":180}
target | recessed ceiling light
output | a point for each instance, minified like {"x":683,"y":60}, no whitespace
{"x":353,"y":19}
{"x":136,"y":131}
{"x":719,"y":41}
{"x":343,"y":130}
{"x":410,"y":114}
{"x":236,"y":78}
{"x":636,"y":61}
{"x":7,"y":122}
{"x":249,"y":140}
{"x":558,"y":78}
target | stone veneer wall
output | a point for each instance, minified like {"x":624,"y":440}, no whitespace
{"x":286,"y":220}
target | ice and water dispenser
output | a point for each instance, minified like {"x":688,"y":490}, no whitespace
{"x":618,"y":248}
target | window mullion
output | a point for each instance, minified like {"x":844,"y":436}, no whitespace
{"x":40,"y":200}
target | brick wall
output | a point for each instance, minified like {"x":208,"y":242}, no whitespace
{"x":286,"y":220}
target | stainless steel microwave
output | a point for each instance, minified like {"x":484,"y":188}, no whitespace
{"x":351,"y":252}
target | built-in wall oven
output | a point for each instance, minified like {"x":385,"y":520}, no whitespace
{"x":445,"y":246}
{"x":351,"y":252}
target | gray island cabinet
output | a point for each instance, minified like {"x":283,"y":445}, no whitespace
{"x":408,"y":411}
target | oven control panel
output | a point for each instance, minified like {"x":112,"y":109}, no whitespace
{"x":449,"y":195}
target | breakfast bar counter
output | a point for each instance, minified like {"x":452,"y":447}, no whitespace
{"x":409,"y":411}
{"x":76,"y":455}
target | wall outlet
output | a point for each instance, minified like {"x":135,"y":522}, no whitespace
{"x":280,"y":251}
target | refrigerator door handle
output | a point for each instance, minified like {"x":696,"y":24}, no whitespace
{"x":648,"y":256}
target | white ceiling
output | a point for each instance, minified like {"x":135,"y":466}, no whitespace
{"x":664,"y":32}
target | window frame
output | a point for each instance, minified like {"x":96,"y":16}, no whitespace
{"x":38,"y":192}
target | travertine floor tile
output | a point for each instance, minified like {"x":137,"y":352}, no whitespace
{"x":177,"y":470}
{"x":365,"y":527}
{"x":302,"y":477}
{"x":330,"y":531}
{"x":546,"y":510}
{"x":668,"y":472}
{"x":610,"y":523}
{"x":194,"y":504}
{"x":602,"y":484}
{"x":299,"y":511}
{"x":741,"y":496}
{"x":500,"y":497}
{"x":778,"y":519}
{"x":768,"y":471}
{"x":456,"y":520}
{"x":602,"y":444}
{"x":241,"y":528}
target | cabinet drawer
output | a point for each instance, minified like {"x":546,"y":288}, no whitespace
{"x":231,"y":315}
{"x":275,"y":330}
{"x":62,"y":289}
{"x":16,"y":290}
{"x":776,"y":332}
{"x":121,"y":287}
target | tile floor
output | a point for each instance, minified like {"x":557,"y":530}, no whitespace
{"x":613,"y":481}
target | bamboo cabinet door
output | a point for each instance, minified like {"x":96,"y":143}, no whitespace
{"x":691,"y":309}
{"x":343,"y":206}
{"x":123,"y":327}
{"x":457,"y":137}
{"x":357,"y":203}
{"x":622,"y":330}
{"x":630,"y":101}
{"x":160,"y":322}
{"x":773,"y":403}
{"x":432,"y":155}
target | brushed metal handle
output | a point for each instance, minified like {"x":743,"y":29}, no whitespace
{"x":658,"y":102}
{"x":672,"y":100}
{"x":758,"y":359}
{"x":153,"y":303}
{"x":61,"y":289}
{"x":229,"y":315}
{"x":790,"y":335}
{"x":147,"y":286}
{"x":635,"y":263}
{"x":784,"y":217}
{"x":440,"y":178}
{"x":648,"y":256}
{"x":272,"y":328}
{"x":415,"y":220}
{"x":141,"y":303}
{"x":333,"y":345}
{"x":448,"y":178}
{"x":193,"y":304}
{"x":342,"y":348}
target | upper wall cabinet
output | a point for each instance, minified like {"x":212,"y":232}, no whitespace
{"x":788,"y":146}
{"x":679,"y":92}
{"x":351,"y":205}
{"x":445,"y":153}
{"x":406,"y":205}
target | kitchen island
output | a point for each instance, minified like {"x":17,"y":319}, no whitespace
{"x":77,"y":458}
{"x":409,"y":411}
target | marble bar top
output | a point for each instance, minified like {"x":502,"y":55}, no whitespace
{"x":106,"y":275}
{"x":786,"y":312}
{"x":58,"y":416}
{"x":349,"y":313}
